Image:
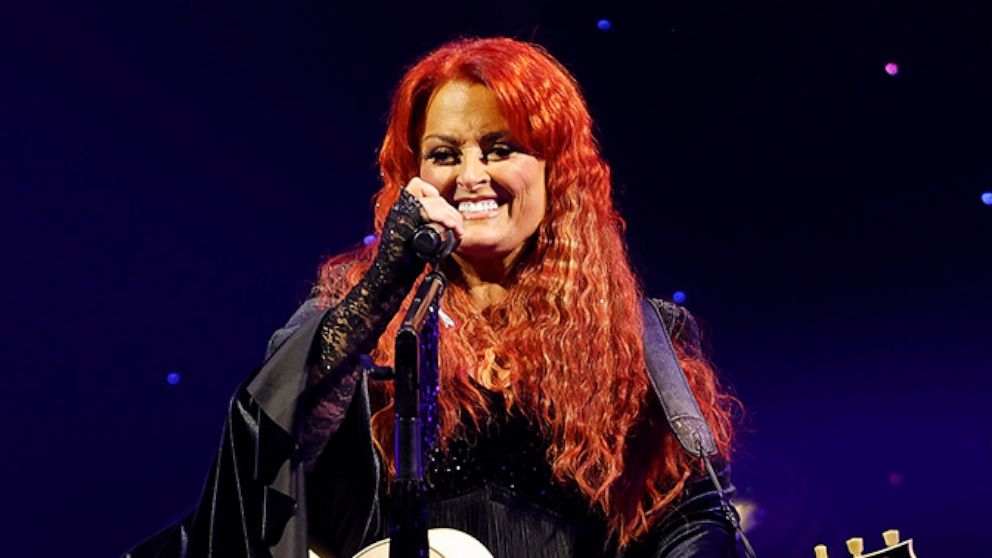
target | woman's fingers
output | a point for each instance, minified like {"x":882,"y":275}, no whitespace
{"x":440,"y":211}
{"x":422,"y":189}
{"x":436,"y":208}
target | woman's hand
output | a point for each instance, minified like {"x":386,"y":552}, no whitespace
{"x":436,"y":209}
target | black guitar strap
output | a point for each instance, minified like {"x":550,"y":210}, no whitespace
{"x":680,"y":405}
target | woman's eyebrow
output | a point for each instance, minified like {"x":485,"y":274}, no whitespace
{"x":442,"y":137}
{"x":488,"y":137}
{"x":493,"y":136}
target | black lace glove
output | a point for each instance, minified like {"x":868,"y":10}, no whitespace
{"x":354,"y":325}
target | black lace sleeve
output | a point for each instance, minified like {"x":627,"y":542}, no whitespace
{"x":353,"y":326}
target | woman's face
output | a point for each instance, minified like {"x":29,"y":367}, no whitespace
{"x":469,"y":155}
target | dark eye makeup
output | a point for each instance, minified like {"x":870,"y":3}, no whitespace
{"x":444,"y":155}
{"x":447,"y":155}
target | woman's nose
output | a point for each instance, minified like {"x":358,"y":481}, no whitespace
{"x":473,"y":173}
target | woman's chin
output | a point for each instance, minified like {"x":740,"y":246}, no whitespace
{"x":481,"y":251}
{"x":484,"y":252}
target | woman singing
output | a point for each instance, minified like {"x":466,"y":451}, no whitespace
{"x":552,"y":441}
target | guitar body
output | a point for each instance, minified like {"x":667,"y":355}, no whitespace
{"x":443,"y":543}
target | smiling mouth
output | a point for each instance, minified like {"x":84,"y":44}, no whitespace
{"x":485,"y":209}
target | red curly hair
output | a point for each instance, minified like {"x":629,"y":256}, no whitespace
{"x":564,"y":347}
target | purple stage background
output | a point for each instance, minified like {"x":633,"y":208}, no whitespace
{"x":173,"y":172}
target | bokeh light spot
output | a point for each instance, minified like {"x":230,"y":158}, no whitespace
{"x":895,"y":479}
{"x":369,"y":239}
{"x":987,"y":198}
{"x":173,"y":378}
{"x":604,"y":25}
{"x":892,"y":68}
{"x":679,"y":297}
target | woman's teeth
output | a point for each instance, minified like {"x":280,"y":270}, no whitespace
{"x":474,"y":208}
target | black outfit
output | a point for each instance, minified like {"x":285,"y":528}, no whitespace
{"x":297,"y":468}
{"x":497,"y":486}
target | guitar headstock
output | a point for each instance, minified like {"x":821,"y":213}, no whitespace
{"x":893,"y":547}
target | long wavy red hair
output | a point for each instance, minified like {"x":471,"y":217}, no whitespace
{"x":564,"y":347}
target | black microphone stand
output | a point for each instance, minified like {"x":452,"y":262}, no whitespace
{"x":415,"y":408}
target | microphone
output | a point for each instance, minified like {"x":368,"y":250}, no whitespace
{"x":434,"y":243}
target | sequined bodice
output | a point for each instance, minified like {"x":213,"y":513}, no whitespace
{"x":507,"y":453}
{"x":496,"y":484}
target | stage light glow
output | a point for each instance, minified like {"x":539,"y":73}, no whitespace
{"x":987,"y":198}
{"x":679,"y":297}
{"x":748,"y":512}
{"x":892,"y":68}
{"x":173,"y":378}
{"x":604,"y":25}
{"x":895,"y":479}
{"x":369,"y":239}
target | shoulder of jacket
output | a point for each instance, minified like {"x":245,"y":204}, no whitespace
{"x":310,"y":308}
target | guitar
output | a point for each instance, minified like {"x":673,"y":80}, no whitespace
{"x":893,"y":549}
{"x":443,"y":543}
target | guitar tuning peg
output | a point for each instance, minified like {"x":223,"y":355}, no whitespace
{"x":891,"y":537}
{"x":856,"y":546}
{"x":820,"y":550}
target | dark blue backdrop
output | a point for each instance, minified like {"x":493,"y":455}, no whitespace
{"x":173,"y":172}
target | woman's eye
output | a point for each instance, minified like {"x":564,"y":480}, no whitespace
{"x":500,"y":152}
{"x":443,"y":156}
